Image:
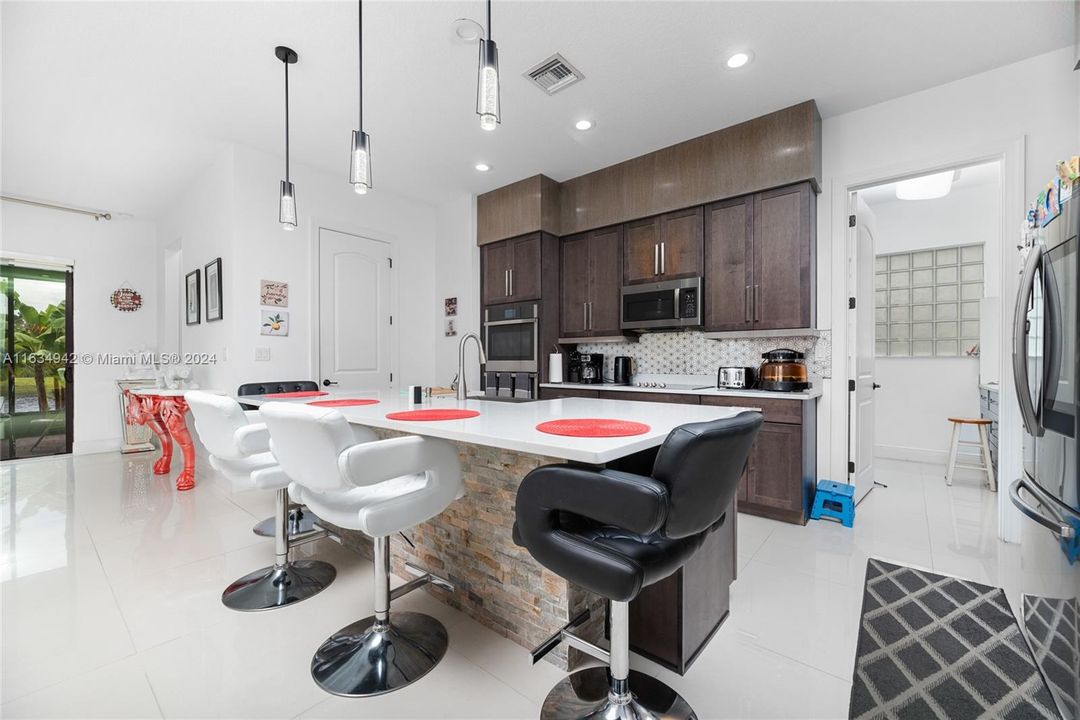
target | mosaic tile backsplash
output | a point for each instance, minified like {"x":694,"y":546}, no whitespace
{"x":691,"y":353}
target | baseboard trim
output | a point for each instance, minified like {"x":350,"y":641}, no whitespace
{"x":90,"y":447}
{"x":923,"y":455}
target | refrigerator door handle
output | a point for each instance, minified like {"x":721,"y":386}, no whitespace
{"x":1056,"y":525}
{"x":1019,"y":345}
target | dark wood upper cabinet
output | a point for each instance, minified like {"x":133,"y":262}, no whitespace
{"x":784,"y":222}
{"x":591,"y":279}
{"x":511,"y":270}
{"x":523,"y":207}
{"x":665,"y":247}
{"x":729,"y":253}
{"x":759,"y":261}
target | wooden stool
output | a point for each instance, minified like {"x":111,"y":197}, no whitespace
{"x":984,"y":444}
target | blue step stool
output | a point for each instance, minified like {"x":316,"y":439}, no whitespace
{"x":834,"y":500}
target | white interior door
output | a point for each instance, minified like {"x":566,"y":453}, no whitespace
{"x":355,"y":314}
{"x":861,"y":328}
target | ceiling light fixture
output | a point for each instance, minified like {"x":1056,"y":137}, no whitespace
{"x":482,"y":167}
{"x":583,"y":125}
{"x":287,"y":197}
{"x":487,"y":80}
{"x":739,"y":59}
{"x":360,"y":157}
{"x":927,"y":187}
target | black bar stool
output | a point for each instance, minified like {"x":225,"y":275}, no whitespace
{"x":614,"y":533}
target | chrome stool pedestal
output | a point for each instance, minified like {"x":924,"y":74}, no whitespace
{"x":380,"y":653}
{"x":301,"y":521}
{"x":285,"y":582}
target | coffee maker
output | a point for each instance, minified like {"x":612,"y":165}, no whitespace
{"x":592,"y":368}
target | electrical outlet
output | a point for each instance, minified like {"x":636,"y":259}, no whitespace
{"x":262,"y":354}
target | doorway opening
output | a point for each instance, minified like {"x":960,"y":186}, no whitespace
{"x":924,"y":260}
{"x":36,"y":413}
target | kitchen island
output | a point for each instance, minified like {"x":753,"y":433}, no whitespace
{"x":496,"y":582}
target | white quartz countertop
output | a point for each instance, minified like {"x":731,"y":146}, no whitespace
{"x":812,"y":393}
{"x":512,"y":426}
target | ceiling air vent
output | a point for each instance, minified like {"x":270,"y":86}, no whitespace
{"x":554,"y":74}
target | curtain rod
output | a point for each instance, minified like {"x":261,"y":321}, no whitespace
{"x":96,"y":214}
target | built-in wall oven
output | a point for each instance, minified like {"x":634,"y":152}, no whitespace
{"x":1045,"y":366}
{"x":511,"y":338}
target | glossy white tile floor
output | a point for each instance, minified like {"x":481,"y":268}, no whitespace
{"x":112,"y":581}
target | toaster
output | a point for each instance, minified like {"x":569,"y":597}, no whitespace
{"x":735,"y":377}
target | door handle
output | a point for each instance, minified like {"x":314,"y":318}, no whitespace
{"x":1056,"y":525}
{"x":748,"y":302}
{"x":663,"y":257}
{"x":874,"y":386}
{"x":655,"y":259}
{"x":1019,"y":348}
{"x":328,"y":382}
{"x":757,"y":303}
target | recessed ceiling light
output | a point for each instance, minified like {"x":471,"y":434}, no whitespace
{"x":927,"y":187}
{"x":583,"y":124}
{"x":482,"y":167}
{"x":739,"y":59}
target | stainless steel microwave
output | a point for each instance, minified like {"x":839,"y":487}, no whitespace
{"x":668,"y":304}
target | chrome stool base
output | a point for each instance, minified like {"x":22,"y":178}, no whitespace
{"x":279,"y":585}
{"x":360,"y":661}
{"x":585,"y":695}
{"x":301,"y":520}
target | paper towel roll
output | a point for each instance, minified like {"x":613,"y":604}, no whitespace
{"x":555,"y":367}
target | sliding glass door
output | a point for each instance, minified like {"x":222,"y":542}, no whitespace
{"x":36,"y":320}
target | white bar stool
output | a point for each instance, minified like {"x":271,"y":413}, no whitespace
{"x":240,"y":448}
{"x":987,"y":465}
{"x":379,"y":488}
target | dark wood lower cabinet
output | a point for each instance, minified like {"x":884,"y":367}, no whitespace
{"x":673,"y":620}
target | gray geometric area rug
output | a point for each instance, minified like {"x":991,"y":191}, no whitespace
{"x":932,"y":646}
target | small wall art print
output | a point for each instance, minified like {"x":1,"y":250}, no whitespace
{"x":274,"y":293}
{"x":450,"y":306}
{"x":126,"y":299}
{"x":192,"y":299}
{"x":451,"y":328}
{"x":213,"y":290}
{"x":275,"y":322}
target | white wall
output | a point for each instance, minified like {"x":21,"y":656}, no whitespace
{"x":457,"y":260}
{"x":106,"y":254}
{"x":232,"y":213}
{"x":1024,"y":112}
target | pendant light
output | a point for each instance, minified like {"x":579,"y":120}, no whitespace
{"x":487,"y":80}
{"x":287,"y":198}
{"x":360,"y":157}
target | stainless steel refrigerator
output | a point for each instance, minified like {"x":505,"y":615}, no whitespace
{"x":1046,"y":364}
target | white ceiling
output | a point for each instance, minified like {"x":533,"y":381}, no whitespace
{"x":121,"y":105}
{"x":986,"y":174}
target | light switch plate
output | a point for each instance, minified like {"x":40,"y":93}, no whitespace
{"x":262,"y":354}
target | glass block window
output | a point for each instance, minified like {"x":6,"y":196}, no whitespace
{"x":926,"y":302}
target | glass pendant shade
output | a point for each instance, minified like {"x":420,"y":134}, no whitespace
{"x":287,"y":206}
{"x":487,"y":85}
{"x":360,"y":165}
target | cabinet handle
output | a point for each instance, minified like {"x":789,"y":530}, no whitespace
{"x":585,"y":316}
{"x":757,"y":303}
{"x":506,"y":283}
{"x":590,"y":315}
{"x":748,"y":302}
{"x":663,"y":257}
{"x":511,"y":282}
{"x":655,"y":259}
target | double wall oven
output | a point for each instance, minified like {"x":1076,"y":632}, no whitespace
{"x":1045,"y":366}
{"x":512,"y":340}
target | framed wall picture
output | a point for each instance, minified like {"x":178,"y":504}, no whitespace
{"x":213,"y":290}
{"x":274,"y":322}
{"x":192,"y":299}
{"x":274,"y":293}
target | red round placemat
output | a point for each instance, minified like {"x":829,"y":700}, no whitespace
{"x":298,"y":394}
{"x":593,"y":427}
{"x":344,"y":402}
{"x":434,"y":414}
